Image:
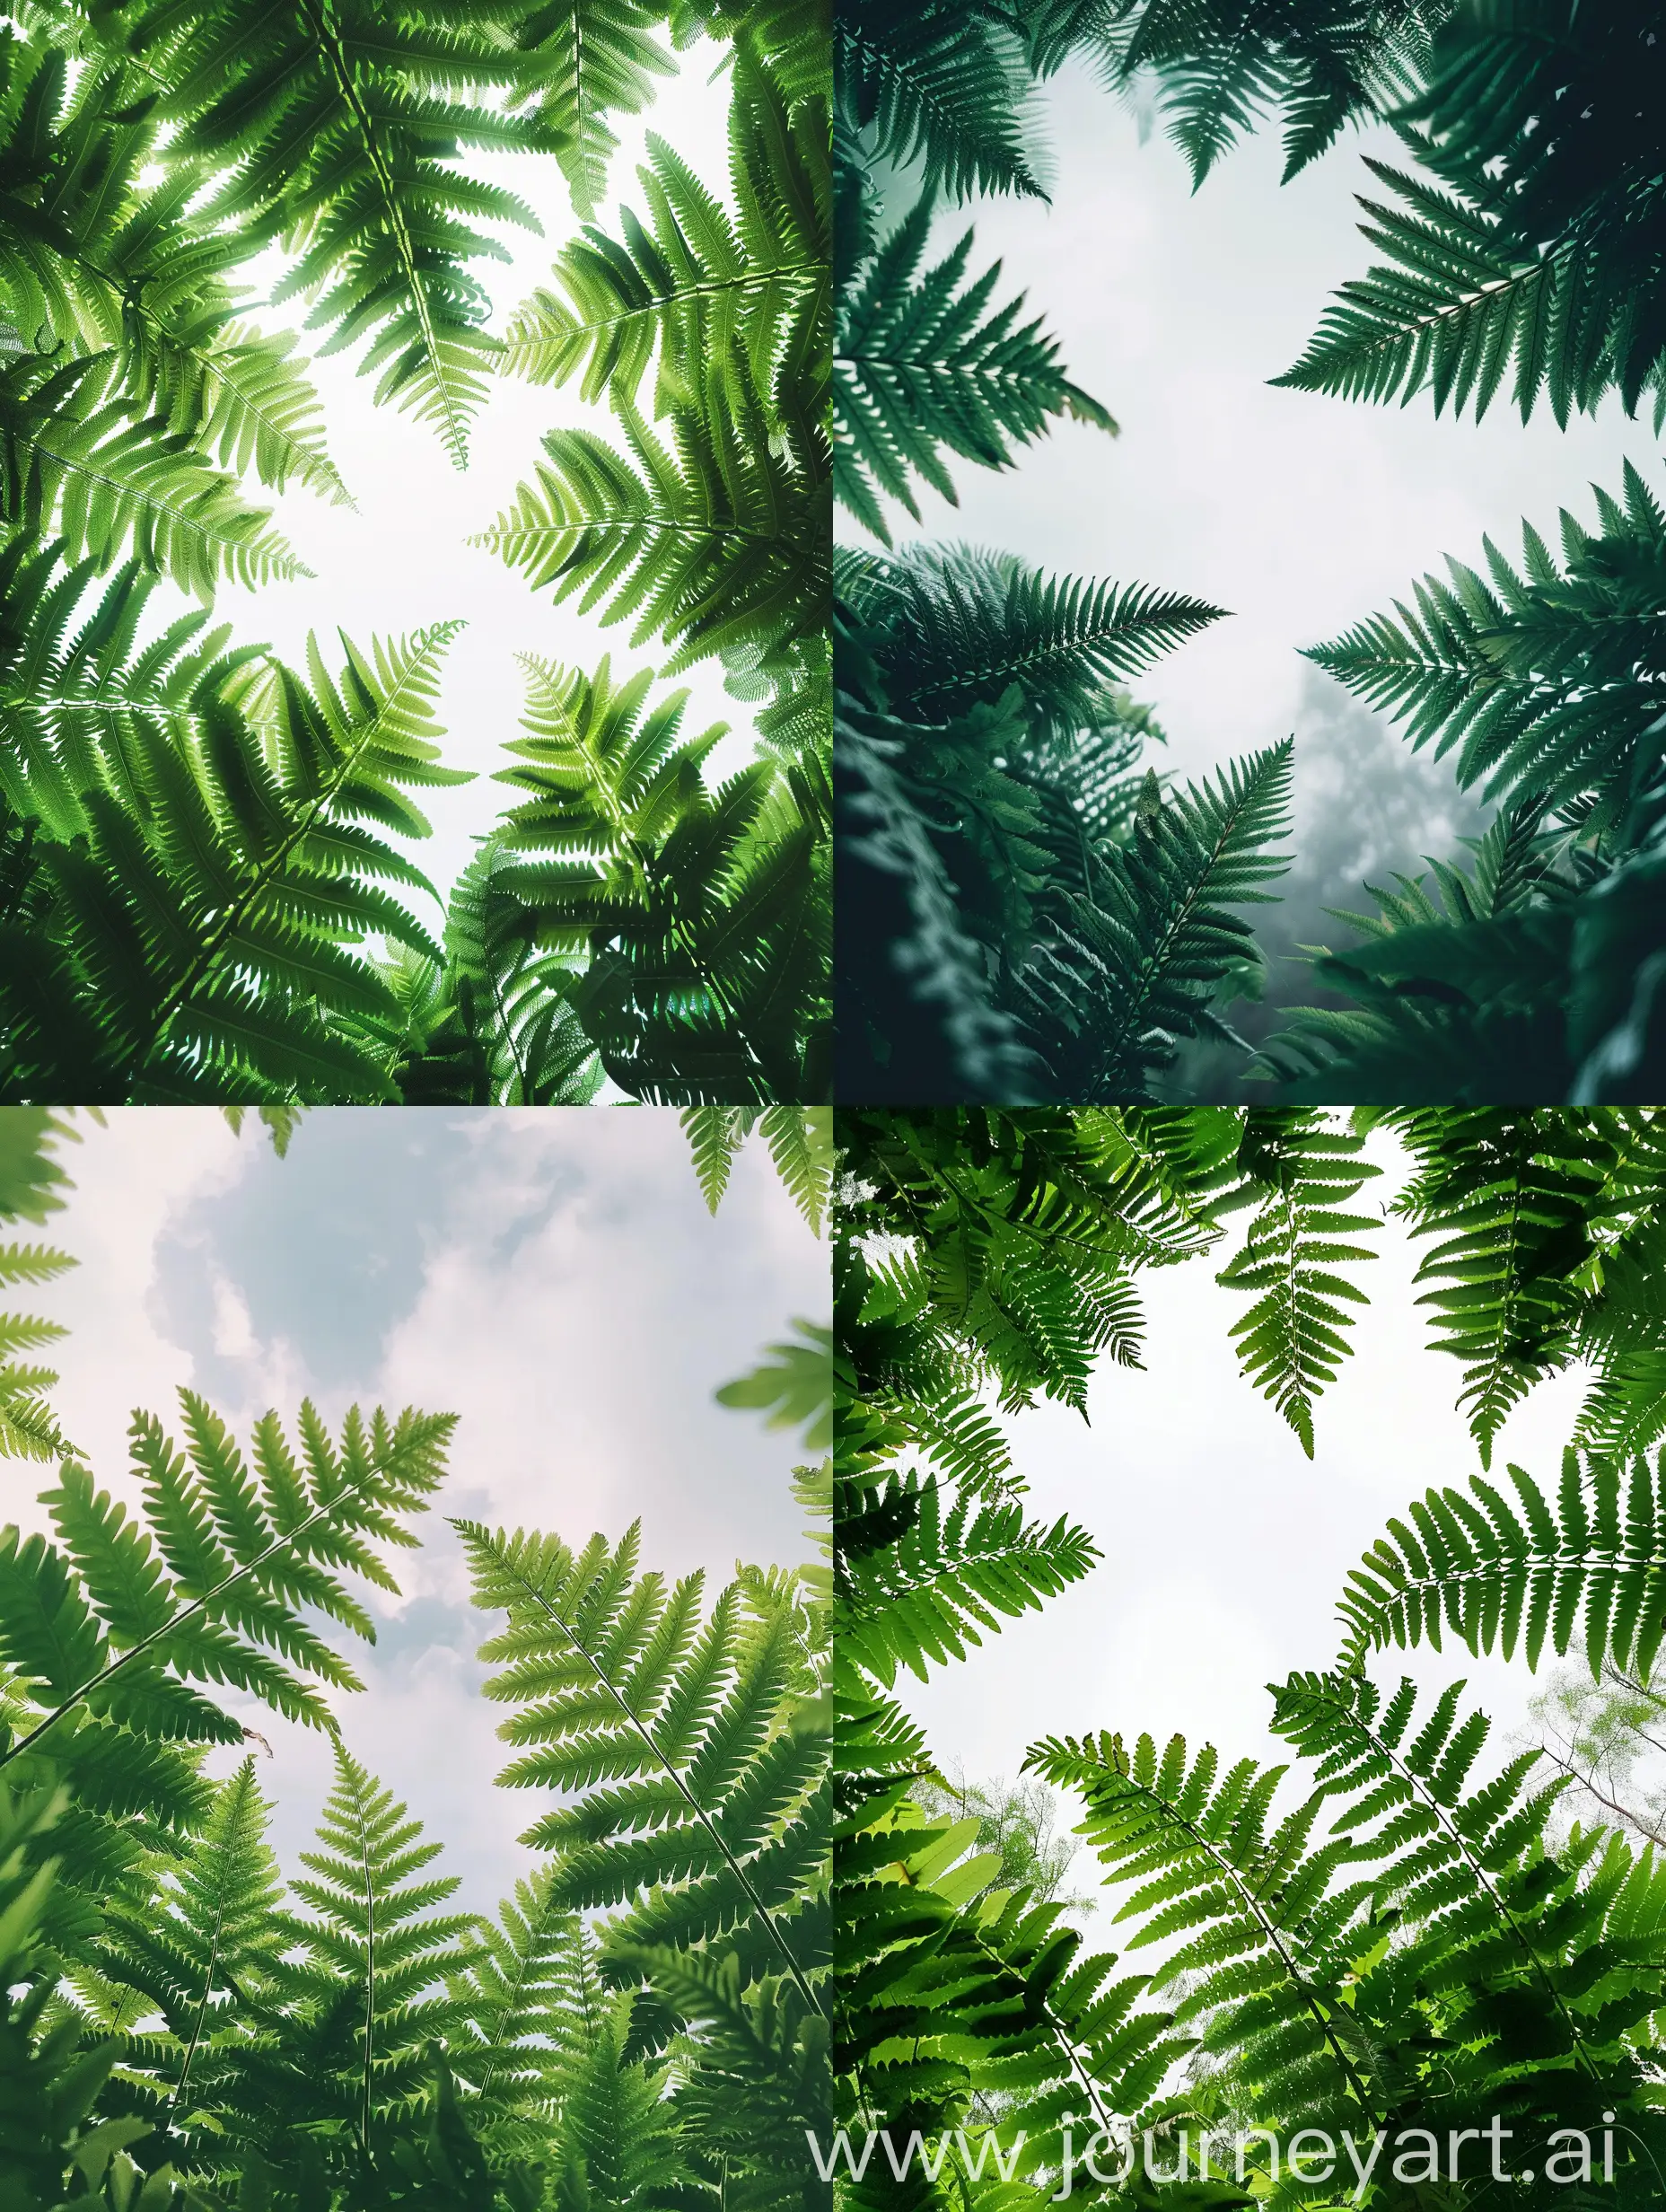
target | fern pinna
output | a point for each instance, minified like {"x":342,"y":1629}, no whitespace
{"x":208,"y":902}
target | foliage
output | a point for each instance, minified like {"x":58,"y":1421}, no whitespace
{"x":31,"y":1188}
{"x":1535,"y":974}
{"x":704,"y":912}
{"x":1401,"y":1944}
{"x":918,"y":366}
{"x":183,"y":2031}
{"x":1542,"y":250}
{"x":799,"y":1141}
{"x":1029,"y":914}
{"x":198,"y":894}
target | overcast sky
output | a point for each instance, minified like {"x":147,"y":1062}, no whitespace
{"x":1225,"y":1547}
{"x":401,"y":561}
{"x":553,"y":1278}
{"x":1300,"y":513}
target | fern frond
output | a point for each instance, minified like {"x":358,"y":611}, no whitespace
{"x":712,"y":1818}
{"x":1293,"y":1340}
{"x":349,"y":152}
{"x":1585,"y":1566}
{"x":939,"y":86}
{"x":922,"y":363}
{"x":716,"y":545}
{"x":75,"y":464}
{"x":926,"y":1598}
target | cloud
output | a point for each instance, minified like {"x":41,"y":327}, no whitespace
{"x":132,"y":1178}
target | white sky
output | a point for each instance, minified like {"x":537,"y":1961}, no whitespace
{"x":553,"y":1278}
{"x":1302,"y":514}
{"x":1223,"y":1547}
{"x":400,"y":562}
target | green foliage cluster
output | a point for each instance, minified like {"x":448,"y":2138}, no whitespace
{"x":1391,"y":1938}
{"x":1034,"y":923}
{"x":206,"y":890}
{"x":1029,"y":911}
{"x":182,"y":2029}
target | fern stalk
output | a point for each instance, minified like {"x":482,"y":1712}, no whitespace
{"x":196,"y":969}
{"x":1484,"y":1880}
{"x":683,"y":1790}
{"x":159,"y":1635}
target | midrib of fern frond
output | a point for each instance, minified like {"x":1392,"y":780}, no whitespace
{"x":263,"y":874}
{"x":1156,"y":963}
{"x":320,"y":20}
{"x":537,"y":1597}
{"x":175,"y":516}
{"x":370,"y":1954}
{"x":308,"y":465}
{"x":1493,"y":1366}
{"x":348,"y":1492}
{"x":186,"y":2063}
{"x":506,"y":2011}
{"x":588,"y":751}
{"x":1455,"y":1836}
{"x":1253,"y":1907}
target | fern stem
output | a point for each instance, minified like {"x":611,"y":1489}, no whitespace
{"x":197,"y":1605}
{"x":1252,"y":1905}
{"x":320,"y":23}
{"x":683,"y":1790}
{"x":202,"y":2013}
{"x":273,"y":863}
{"x":1483,"y":1879}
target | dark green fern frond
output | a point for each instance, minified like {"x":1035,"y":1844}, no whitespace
{"x":1509,"y":1197}
{"x":1222,"y":64}
{"x":1136,"y":961}
{"x":960,"y":627}
{"x":528,"y":2007}
{"x":940,"y":86}
{"x":29,"y":1174}
{"x":923,"y":363}
{"x":1548,"y":682}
